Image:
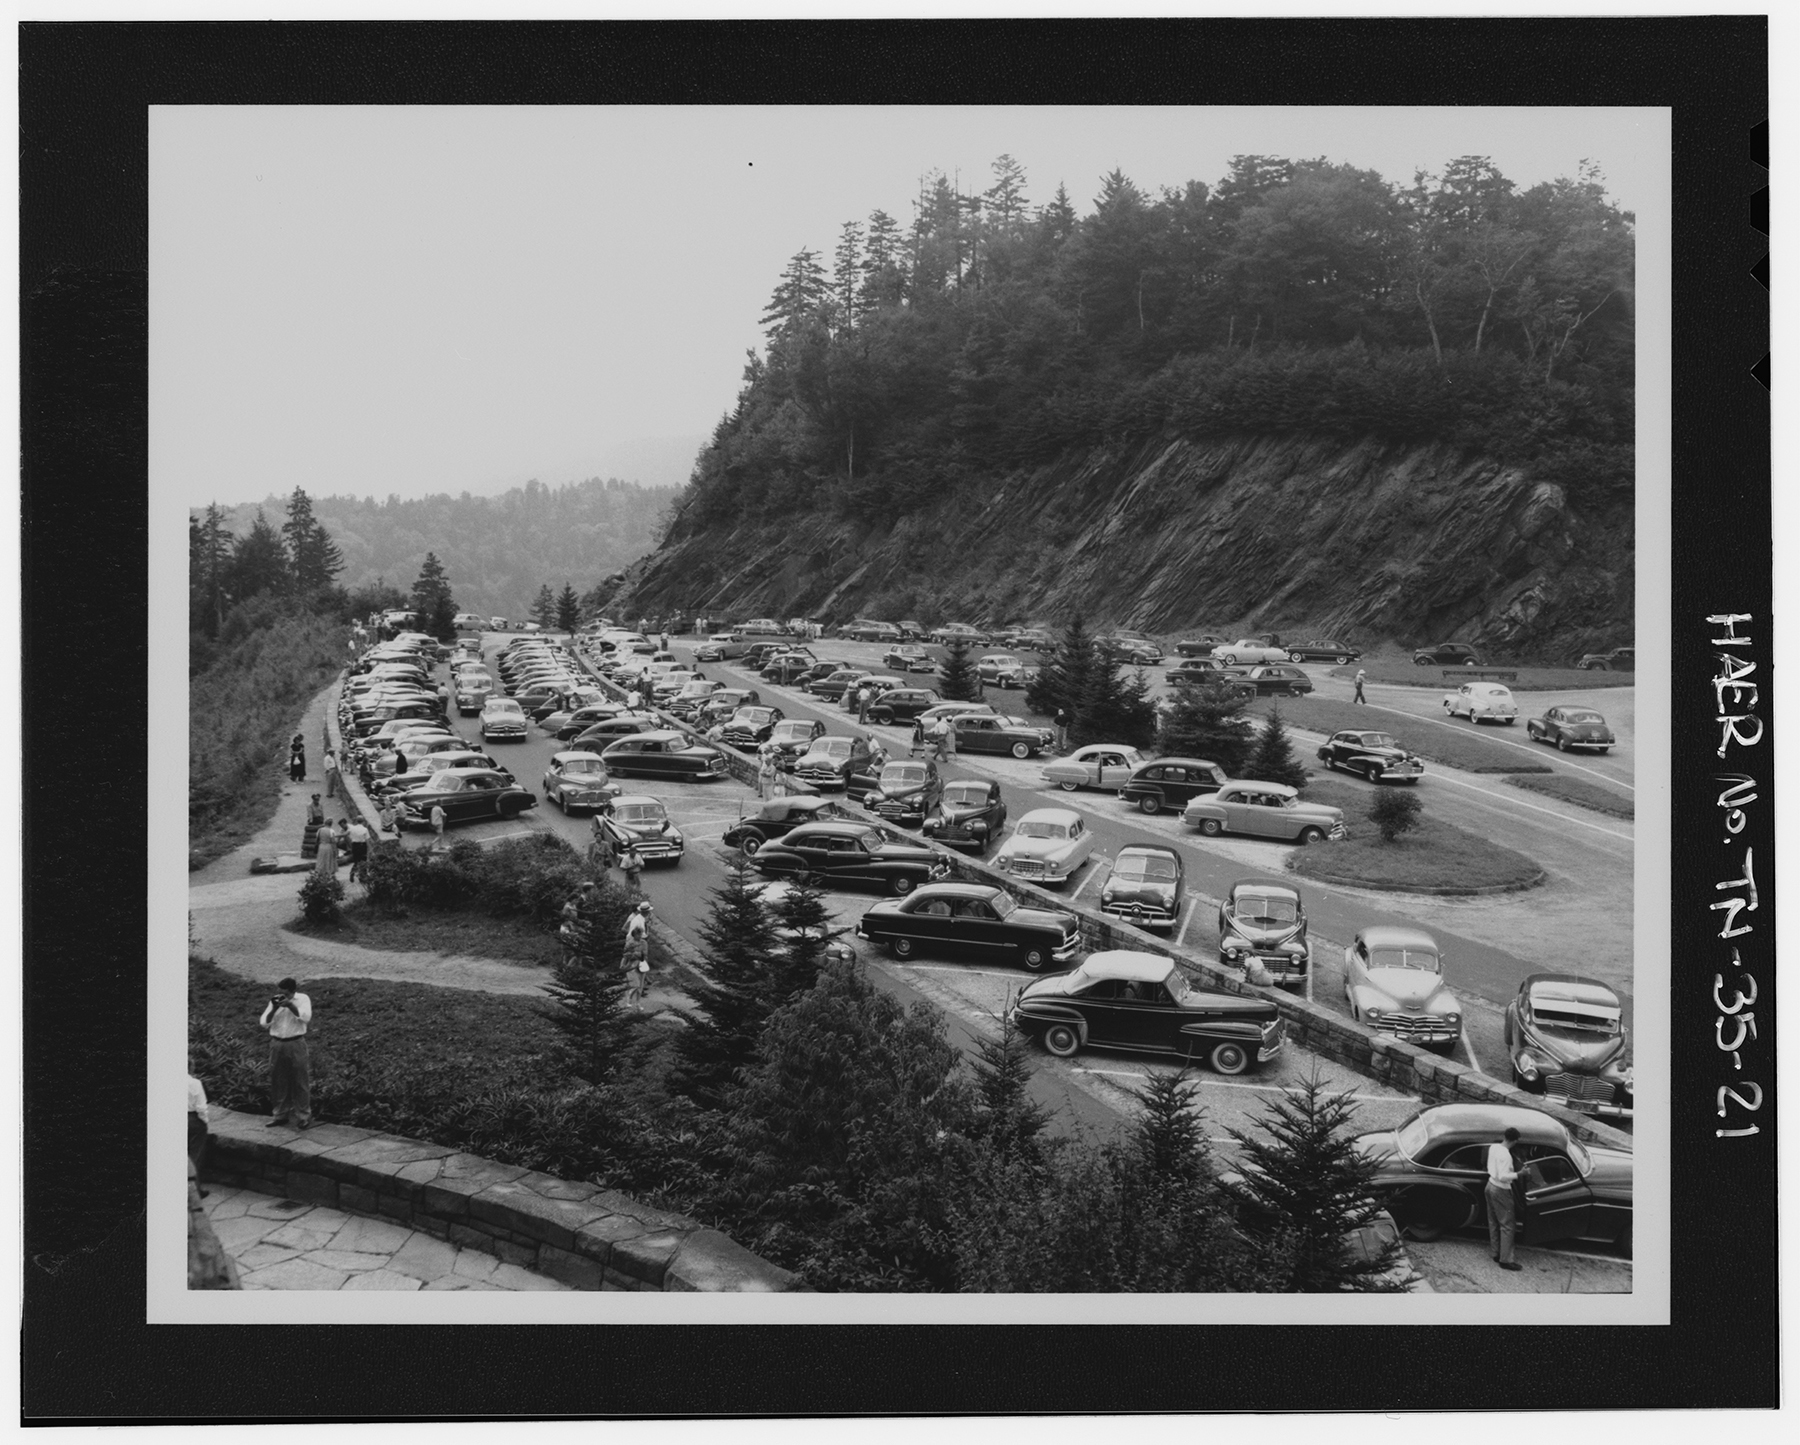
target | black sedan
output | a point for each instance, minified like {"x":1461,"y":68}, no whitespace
{"x":1571,"y":727}
{"x":663,"y":755}
{"x":835,"y":763}
{"x":1325,"y":651}
{"x":970,"y":816}
{"x":779,"y":817}
{"x":791,"y":737}
{"x":1566,"y":1035}
{"x":1431,"y":1173}
{"x":1142,"y":1003}
{"x":975,"y":920}
{"x":1448,"y":654}
{"x":1272,"y":680}
{"x":986,"y":733}
{"x":749,"y":727}
{"x":1171,"y":783}
{"x":1200,"y":646}
{"x":1145,"y":887}
{"x":579,"y":721}
{"x":1373,"y":755}
{"x":467,"y":795}
{"x":848,"y":853}
{"x":902,"y":704}
{"x":905,"y":791}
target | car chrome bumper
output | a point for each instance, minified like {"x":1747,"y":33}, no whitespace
{"x":1139,"y":917}
{"x":1067,"y":950}
{"x":1272,"y":1042}
{"x":1339,"y":833}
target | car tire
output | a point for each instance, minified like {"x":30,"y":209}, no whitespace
{"x":1068,"y":787}
{"x":902,"y":948}
{"x":1296,"y":692}
{"x":901,"y":886}
{"x":511,"y":807}
{"x":751,"y":843}
{"x":1311,"y":835}
{"x":1032,"y":957}
{"x":1212,"y":827}
{"x":1296,"y":657}
{"x":1376,"y":775}
{"x":1341,"y":661}
{"x":1149,"y":805}
{"x":1330,"y":764}
{"x":1562,"y":745}
{"x":1229,"y":1057}
{"x":1062,"y":1040}
{"x":1602,"y":751}
{"x":1021,"y":751}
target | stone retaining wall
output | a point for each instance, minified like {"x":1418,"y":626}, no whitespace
{"x":587,"y":1237}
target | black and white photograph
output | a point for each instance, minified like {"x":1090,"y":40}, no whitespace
{"x":943,"y":713}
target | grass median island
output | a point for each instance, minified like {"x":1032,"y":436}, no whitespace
{"x":1579,"y":792}
{"x":1530,"y":679}
{"x":1453,"y":747}
{"x":1436,"y":857}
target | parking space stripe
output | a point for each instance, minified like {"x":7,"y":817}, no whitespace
{"x":1192,"y":908}
{"x":1092,"y":873}
{"x":1469,"y":1049}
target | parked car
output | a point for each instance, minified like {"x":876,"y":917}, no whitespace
{"x":1571,"y":727}
{"x":1447,"y":654}
{"x":905,"y":791}
{"x":866,"y":629}
{"x":1029,"y":639}
{"x":1002,"y":669}
{"x":1145,"y":887}
{"x":902,"y":704}
{"x":908,"y":657}
{"x":959,"y":632}
{"x":602,"y":735}
{"x":1094,"y":765}
{"x":430,"y":765}
{"x":970,"y":815}
{"x":815,"y":673}
{"x":583,"y":718}
{"x":1262,"y":930}
{"x":875,"y":684}
{"x":849,"y":853}
{"x":761,"y":627}
{"x":1133,"y":648}
{"x":1264,"y":810}
{"x":1323,"y":651}
{"x":1048,"y":845}
{"x":1171,"y":783}
{"x":467,"y":795}
{"x":472,"y":690}
{"x":1482,"y":702}
{"x":778,"y":817}
{"x":750,"y":727}
{"x":971,"y":919}
{"x":951,"y":710}
{"x":791,"y":737}
{"x":577,"y":780}
{"x":1619,"y":659}
{"x":502,"y":717}
{"x":1143,"y":1003}
{"x":1394,"y":982}
{"x":1566,"y":1038}
{"x":833,"y":688}
{"x":1431,"y":1173}
{"x":911,"y":629}
{"x":833,"y":763}
{"x":1270,"y":680}
{"x":663,"y":755}
{"x":642,"y":822}
{"x":760,"y":652}
{"x":788,"y":667}
{"x":1202,"y":670}
{"x":1201,"y":646}
{"x":989,"y":733}
{"x":720,"y":646}
{"x":722,"y":704}
{"x":1375,"y":755}
{"x":1250,"y":651}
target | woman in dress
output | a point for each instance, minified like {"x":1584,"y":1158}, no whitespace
{"x":326,"y":867}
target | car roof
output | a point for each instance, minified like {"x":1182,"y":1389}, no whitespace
{"x":662,"y":734}
{"x":834,"y":825}
{"x":1125,"y":963}
{"x":1395,"y":935}
{"x":636,"y":798}
{"x":956,"y":890}
{"x":1264,"y":885}
{"x":567,"y":754}
{"x":1256,"y":785}
{"x":1570,"y":988}
{"x":1449,"y":1121}
{"x":1052,"y":815}
{"x":1179,"y":762}
{"x":1146,"y":848}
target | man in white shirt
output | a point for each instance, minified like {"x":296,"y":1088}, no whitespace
{"x":290,"y":1070}
{"x":199,"y":1118}
{"x":1500,"y":1215}
{"x":359,"y":850}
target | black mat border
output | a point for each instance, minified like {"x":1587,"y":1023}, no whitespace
{"x":83,"y":93}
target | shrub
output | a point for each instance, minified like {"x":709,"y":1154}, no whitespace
{"x":522,"y":877}
{"x":1206,"y":720}
{"x":322,"y":898}
{"x":1394,"y":812}
{"x":1274,"y":760}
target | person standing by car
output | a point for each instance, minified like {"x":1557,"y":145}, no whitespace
{"x":1359,"y":693}
{"x":390,"y":818}
{"x":331,"y":773}
{"x":632,"y":864}
{"x":1502,"y":1221}
{"x":601,"y":849}
{"x":359,"y":851}
{"x":287,"y":1017}
{"x":634,"y":700}
{"x":940,"y":733}
{"x":437,"y":823}
{"x":918,"y":738}
{"x":766,"y":772}
{"x":862,"y":706}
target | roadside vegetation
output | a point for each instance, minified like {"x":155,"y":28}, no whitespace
{"x":1461,"y":746}
{"x":1579,"y":792}
{"x":1424,"y":855}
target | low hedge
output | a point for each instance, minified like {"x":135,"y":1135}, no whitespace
{"x":1530,"y":679}
{"x":1453,"y":748}
{"x":519,"y":878}
{"x":1579,"y":792}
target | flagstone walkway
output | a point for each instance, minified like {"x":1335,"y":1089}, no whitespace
{"x":285,"y":1244}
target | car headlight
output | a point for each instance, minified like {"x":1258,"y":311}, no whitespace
{"x":1527,"y":1064}
{"x":978,"y":827}
{"x":1106,"y":895}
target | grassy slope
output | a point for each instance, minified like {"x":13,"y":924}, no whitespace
{"x":511,"y":940}
{"x":1435,"y":855}
{"x":1582,"y":794}
{"x":1470,"y":752}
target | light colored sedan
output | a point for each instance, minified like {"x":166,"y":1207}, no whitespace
{"x":1094,"y":765}
{"x":1249,"y":650}
{"x":1482,"y":702}
{"x":1264,"y":810}
{"x":1048,"y":846}
{"x":578,"y":780}
{"x":1393,"y":981}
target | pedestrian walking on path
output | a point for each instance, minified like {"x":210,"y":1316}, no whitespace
{"x":636,"y":960}
{"x":918,"y":738}
{"x":331,"y":773}
{"x":1062,"y":730}
{"x":437,"y":824}
{"x":940,"y":733}
{"x":632,"y":864}
{"x":287,"y":1017}
{"x":326,"y":863}
{"x":766,"y":772}
{"x":359,"y":851}
{"x":1501,"y":1219}
{"x":601,"y":849}
{"x":1359,"y":682}
{"x":297,"y":758}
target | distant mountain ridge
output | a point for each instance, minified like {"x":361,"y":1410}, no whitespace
{"x":496,"y":551}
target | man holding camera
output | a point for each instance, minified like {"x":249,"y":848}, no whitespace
{"x":290,"y":1071}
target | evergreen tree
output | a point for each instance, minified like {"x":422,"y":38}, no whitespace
{"x":804,"y":923}
{"x":1011,"y":1122}
{"x":1307,"y":1186}
{"x":432,"y":600}
{"x":846,"y":295}
{"x":1274,"y":760}
{"x":258,"y":562}
{"x":568,"y":609}
{"x":587,"y":988}
{"x":883,"y":263}
{"x":802,"y":289}
{"x":209,"y":563}
{"x":1206,"y":720}
{"x":543,"y":608}
{"x":1113,"y":708}
{"x":1063,"y":679}
{"x":1005,"y":199}
{"x":958,"y":680}
{"x":313,"y":558}
{"x":735,"y":998}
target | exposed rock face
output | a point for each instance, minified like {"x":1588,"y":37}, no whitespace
{"x":1297,"y":535}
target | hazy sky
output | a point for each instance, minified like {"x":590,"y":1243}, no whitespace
{"x":416,"y":300}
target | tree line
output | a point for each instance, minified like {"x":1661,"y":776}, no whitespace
{"x":990,"y":333}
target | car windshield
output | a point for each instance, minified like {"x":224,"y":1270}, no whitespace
{"x":1575,"y":715}
{"x":871,"y":840}
{"x":1412,"y":1137}
{"x":1146,"y":866}
{"x":1031,"y":829}
{"x":967,"y":796}
{"x":640,"y":813}
{"x":1266,"y":911}
{"x":896,"y":775}
{"x":1003,"y":904}
{"x":755,"y":716}
{"x":788,"y":732}
{"x":504,"y":704}
{"x":1403,"y":958}
{"x":1378,"y":740}
{"x":832,"y":747}
{"x":586,"y":763}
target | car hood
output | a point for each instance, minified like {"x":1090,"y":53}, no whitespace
{"x":1016,"y":847}
{"x":902,"y":792}
{"x":1406,"y":985}
{"x":1145,"y":891}
{"x":1264,"y":937}
{"x":950,"y":817}
{"x":649,"y":830}
{"x":1582,"y":1053}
